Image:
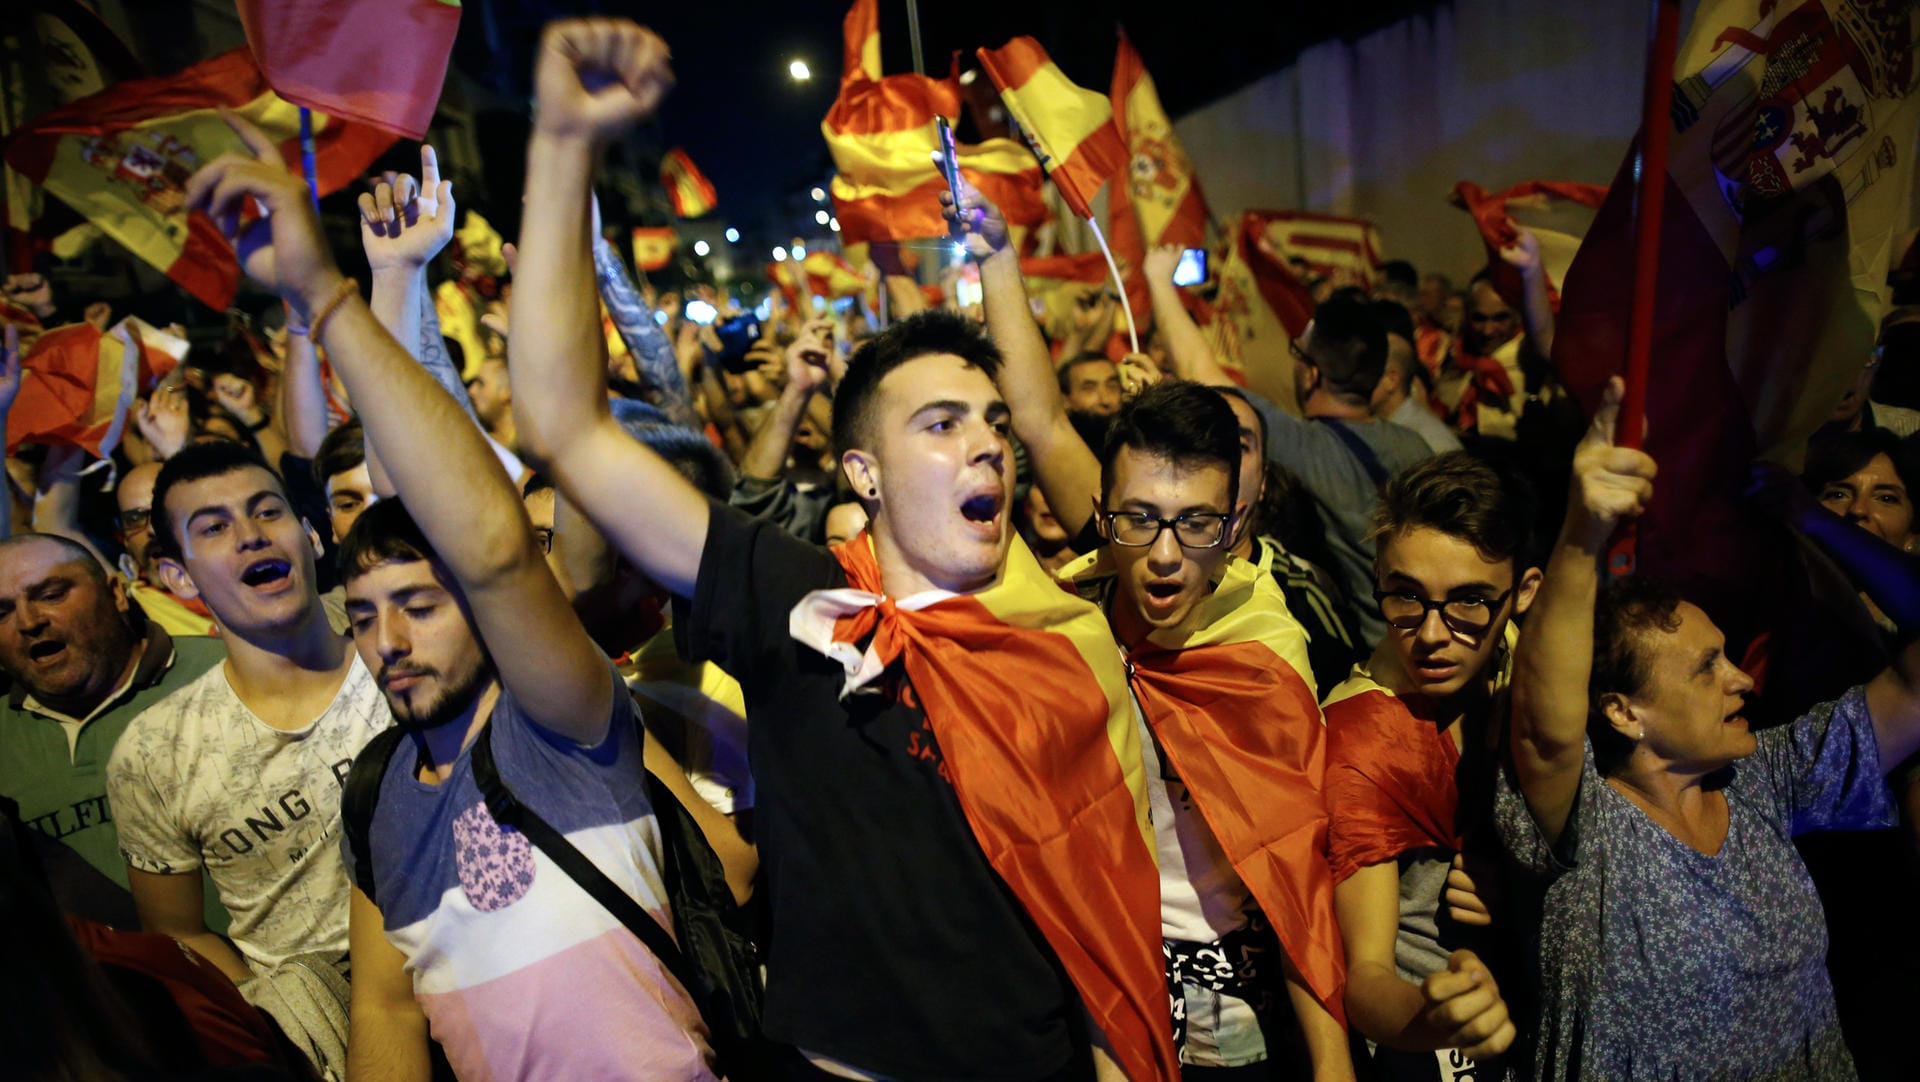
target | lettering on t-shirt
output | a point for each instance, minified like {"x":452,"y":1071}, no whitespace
{"x":76,"y":817}
{"x":1460,"y":1067}
{"x":341,"y":768}
{"x":271,"y":819}
{"x":923,"y":747}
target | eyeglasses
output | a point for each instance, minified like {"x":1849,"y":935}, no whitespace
{"x":1136,"y":530}
{"x":1299,"y":354}
{"x":135,"y":519}
{"x":1406,"y":611}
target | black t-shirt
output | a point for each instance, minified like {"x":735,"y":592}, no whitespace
{"x":894,"y":946}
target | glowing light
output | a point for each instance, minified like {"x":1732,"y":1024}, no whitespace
{"x":833,"y":224}
{"x":733,"y":235}
{"x":779,"y":254}
{"x":799,"y":70}
{"x":821,"y":216}
{"x":700,"y":247}
{"x":799,"y":251}
{"x":819,"y":195}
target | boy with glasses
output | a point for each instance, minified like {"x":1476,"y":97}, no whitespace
{"x":1411,"y":742}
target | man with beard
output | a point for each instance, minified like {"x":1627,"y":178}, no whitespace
{"x":1219,"y":672}
{"x":82,"y":665}
{"x":935,"y":727}
{"x":240,"y":771}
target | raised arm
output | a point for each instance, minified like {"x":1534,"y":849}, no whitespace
{"x":766,"y":457}
{"x":303,"y":392}
{"x":9,"y":388}
{"x":1187,"y":347}
{"x":1066,"y":468}
{"x":645,"y":507}
{"x":653,"y":352}
{"x":1554,"y":661}
{"x":1536,"y":307}
{"x":478,"y":527}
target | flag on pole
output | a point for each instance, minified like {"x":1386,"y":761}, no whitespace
{"x":1071,"y":128}
{"x":122,"y":158}
{"x":77,"y":384}
{"x":375,"y":62}
{"x":653,"y":246}
{"x":1157,"y":199}
{"x":1790,"y":167}
{"x":1558,"y":212}
{"x":687,"y":187}
{"x":881,"y":134}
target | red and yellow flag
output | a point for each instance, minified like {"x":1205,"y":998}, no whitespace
{"x":1557,"y":212}
{"x":1229,"y":695}
{"x":1157,"y":199}
{"x":77,"y":384}
{"x":1071,"y":128}
{"x":653,"y":246}
{"x":832,"y":277}
{"x":687,"y":187}
{"x":1026,"y":696}
{"x":375,"y":62}
{"x":881,"y":134}
{"x":122,"y":158}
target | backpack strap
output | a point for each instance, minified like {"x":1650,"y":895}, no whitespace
{"x":358,"y":798}
{"x":1368,"y":460}
{"x":507,"y":810}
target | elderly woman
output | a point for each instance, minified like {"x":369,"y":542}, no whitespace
{"x":1679,"y":933}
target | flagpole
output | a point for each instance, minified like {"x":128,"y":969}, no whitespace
{"x":306,"y":156}
{"x":1133,"y":333}
{"x":1656,"y":129}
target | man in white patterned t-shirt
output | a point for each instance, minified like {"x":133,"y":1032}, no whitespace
{"x":241,"y":770}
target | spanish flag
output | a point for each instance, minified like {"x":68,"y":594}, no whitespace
{"x":653,"y":246}
{"x":1558,"y":213}
{"x":687,"y":187}
{"x":882,"y":136}
{"x":1230,"y":698}
{"x":1071,"y":129}
{"x":77,"y":384}
{"x":1157,"y":199}
{"x":832,"y":277}
{"x":1026,"y":696}
{"x":375,"y":62}
{"x":122,"y":158}
{"x":1056,"y":281}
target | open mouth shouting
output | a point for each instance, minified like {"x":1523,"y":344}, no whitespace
{"x":267,"y":576}
{"x":47,"y":652}
{"x":1162,"y":596}
{"x":982,"y":511}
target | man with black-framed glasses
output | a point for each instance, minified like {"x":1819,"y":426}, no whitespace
{"x":1219,"y":672}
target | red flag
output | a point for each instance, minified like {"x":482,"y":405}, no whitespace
{"x":77,"y":385}
{"x":1262,"y":305}
{"x":378,"y":62}
{"x":1558,"y":212}
{"x":1070,"y":128}
{"x":1157,"y":199}
{"x":689,"y":189}
{"x":122,"y":158}
{"x":653,"y":246}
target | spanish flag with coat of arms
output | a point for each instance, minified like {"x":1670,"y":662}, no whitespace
{"x":122,"y":158}
{"x":1156,"y":199}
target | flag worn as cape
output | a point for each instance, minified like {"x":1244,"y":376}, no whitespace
{"x":1025,"y":693}
{"x":881,"y":134}
{"x":687,"y":187}
{"x":1157,"y":198}
{"x":122,"y":158}
{"x":375,"y":62}
{"x":1229,"y":696}
{"x":1794,"y":124}
{"x":1070,"y":128}
{"x":77,"y":384}
{"x":1558,"y":212}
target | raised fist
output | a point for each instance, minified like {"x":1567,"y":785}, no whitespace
{"x":595,"y":78}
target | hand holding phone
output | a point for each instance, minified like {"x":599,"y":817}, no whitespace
{"x":1192,"y":269}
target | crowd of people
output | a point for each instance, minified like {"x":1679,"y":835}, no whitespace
{"x":945,"y":697}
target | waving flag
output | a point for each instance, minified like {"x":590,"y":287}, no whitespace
{"x":1558,"y":212}
{"x":1157,"y":199}
{"x":1229,"y":695}
{"x":77,"y":384}
{"x":832,"y":277}
{"x":375,"y":62}
{"x":122,"y":158}
{"x":653,"y":246}
{"x":881,"y":134}
{"x":689,"y":189}
{"x":1791,"y":162}
{"x":1071,"y":129}
{"x":1026,"y":696}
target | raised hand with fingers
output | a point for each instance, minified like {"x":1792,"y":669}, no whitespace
{"x":595,"y":78}
{"x":1524,"y":252}
{"x":1609,"y":483}
{"x":809,"y":356}
{"x":239,"y":396}
{"x":976,"y":222}
{"x":1464,"y":1002}
{"x":284,"y":250}
{"x":404,"y":223}
{"x":1137,"y":373}
{"x":163,"y":420}
{"x":1161,"y":262}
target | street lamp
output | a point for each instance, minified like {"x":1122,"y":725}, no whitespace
{"x":820,"y":217}
{"x":779,"y":254}
{"x":733,"y":235}
{"x":799,"y":70}
{"x":700,"y":247}
{"x":819,"y":195}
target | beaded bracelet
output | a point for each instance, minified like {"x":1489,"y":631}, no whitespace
{"x":346,"y":288}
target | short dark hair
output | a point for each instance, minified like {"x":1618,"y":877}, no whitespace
{"x":385,"y":533}
{"x":1235,"y":392}
{"x":1187,"y":423}
{"x":1399,"y":272}
{"x":342,"y":449}
{"x":1065,"y":371}
{"x":1394,"y":318}
{"x":690,"y":452}
{"x":1460,"y":496}
{"x":1836,"y":456}
{"x":1348,"y":346}
{"x":1626,"y":611}
{"x":197,"y":462}
{"x":935,"y":330}
{"x":74,"y":551}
